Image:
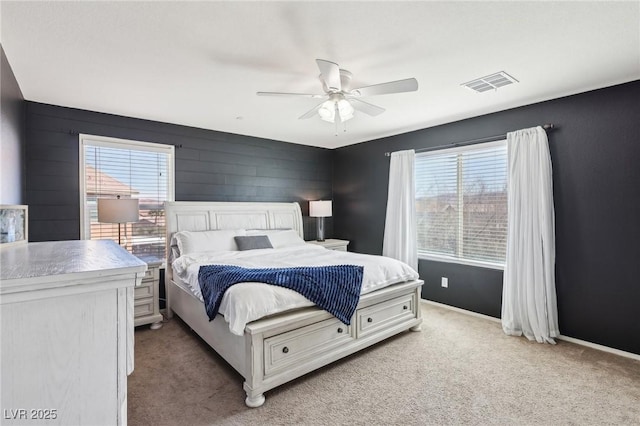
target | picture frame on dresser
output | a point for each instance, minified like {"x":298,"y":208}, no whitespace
{"x":14,"y":224}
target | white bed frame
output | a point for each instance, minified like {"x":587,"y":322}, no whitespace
{"x":280,"y":348}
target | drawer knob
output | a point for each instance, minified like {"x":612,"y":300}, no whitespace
{"x":340,"y":330}
{"x":285,"y":350}
{"x":405,"y":307}
{"x":369,"y":319}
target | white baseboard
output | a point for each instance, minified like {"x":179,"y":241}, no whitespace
{"x":561,"y":337}
{"x":600,"y":347}
{"x":462,"y":311}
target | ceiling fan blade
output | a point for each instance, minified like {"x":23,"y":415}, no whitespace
{"x":366,"y":107}
{"x":301,"y":95}
{"x":406,"y":85}
{"x":330,"y":74}
{"x":313,"y":111}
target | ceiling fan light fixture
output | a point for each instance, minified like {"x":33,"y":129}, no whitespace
{"x":341,"y":100}
{"x":345,"y":109}
{"x":327,"y":111}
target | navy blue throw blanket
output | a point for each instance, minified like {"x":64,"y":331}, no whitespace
{"x":335,"y":289}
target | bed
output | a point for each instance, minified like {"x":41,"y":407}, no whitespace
{"x":280,"y":347}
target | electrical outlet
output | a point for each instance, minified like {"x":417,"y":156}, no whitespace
{"x":445,"y":282}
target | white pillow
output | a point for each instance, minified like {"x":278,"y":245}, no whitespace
{"x":198,"y":241}
{"x":280,"y":238}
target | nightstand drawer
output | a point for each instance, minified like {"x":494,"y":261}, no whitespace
{"x":145,"y":296}
{"x":143,"y":307}
{"x":331,"y":244}
{"x":144,"y":290}
{"x":150,"y":274}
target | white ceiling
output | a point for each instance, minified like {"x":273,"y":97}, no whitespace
{"x":200,"y":63}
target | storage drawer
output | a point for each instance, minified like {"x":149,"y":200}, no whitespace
{"x":144,"y":290}
{"x":385,"y":314}
{"x":151,"y":274}
{"x":143,"y":307}
{"x":305,"y":344}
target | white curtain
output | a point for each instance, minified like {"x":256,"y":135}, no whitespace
{"x":400,"y":229}
{"x":529,"y":290}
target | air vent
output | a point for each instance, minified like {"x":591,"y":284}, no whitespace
{"x":490,"y":82}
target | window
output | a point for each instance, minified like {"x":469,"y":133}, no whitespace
{"x":112,"y":168}
{"x":461,"y":204}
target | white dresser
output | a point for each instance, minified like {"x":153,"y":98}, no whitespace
{"x":66,"y":311}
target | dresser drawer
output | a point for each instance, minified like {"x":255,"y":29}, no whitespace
{"x":143,"y":307}
{"x":369,"y":320}
{"x":304,"y":344}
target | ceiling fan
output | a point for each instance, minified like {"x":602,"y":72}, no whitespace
{"x":340,"y":100}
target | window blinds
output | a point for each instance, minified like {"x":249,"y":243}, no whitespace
{"x":461,"y":202}
{"x":136,"y":170}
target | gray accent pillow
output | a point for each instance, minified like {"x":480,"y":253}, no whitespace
{"x":253,"y":242}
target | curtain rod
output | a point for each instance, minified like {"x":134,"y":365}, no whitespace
{"x":472,"y":141}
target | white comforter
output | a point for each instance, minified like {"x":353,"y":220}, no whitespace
{"x":246,"y":302}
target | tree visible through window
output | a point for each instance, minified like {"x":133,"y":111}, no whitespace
{"x":461,"y":203}
{"x":113,"y":168}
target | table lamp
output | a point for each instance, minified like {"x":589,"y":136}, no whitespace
{"x":320,"y":209}
{"x":118,"y":210}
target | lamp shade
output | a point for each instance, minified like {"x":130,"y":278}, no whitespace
{"x":118,"y":210}
{"x":320,"y":208}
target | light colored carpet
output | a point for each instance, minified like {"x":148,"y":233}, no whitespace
{"x":459,"y":370}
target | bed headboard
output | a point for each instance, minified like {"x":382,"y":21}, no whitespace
{"x":206,"y":216}
{"x":212,"y":215}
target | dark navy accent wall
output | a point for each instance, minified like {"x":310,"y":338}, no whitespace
{"x":595,"y":152}
{"x":596,"y":176}
{"x":210,"y":166}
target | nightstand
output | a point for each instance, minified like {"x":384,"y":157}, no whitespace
{"x":332,"y":244}
{"x":146,"y":304}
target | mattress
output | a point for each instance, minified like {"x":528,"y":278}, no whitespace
{"x":246,"y":302}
